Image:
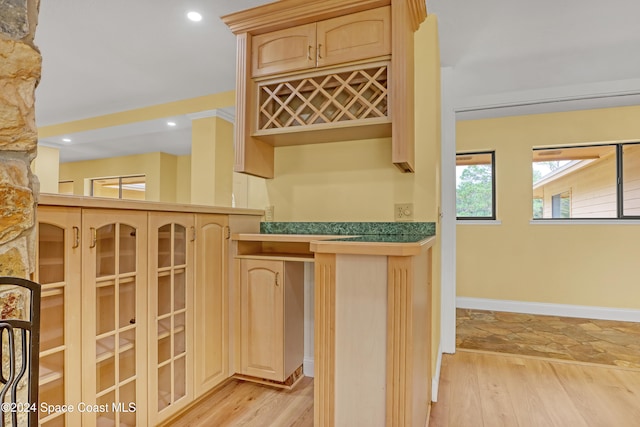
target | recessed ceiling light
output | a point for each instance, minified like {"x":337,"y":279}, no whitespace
{"x":171,"y":124}
{"x":194,"y":16}
{"x":66,"y":140}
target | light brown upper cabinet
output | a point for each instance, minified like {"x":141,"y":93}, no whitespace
{"x":314,"y":71}
{"x":334,"y":41}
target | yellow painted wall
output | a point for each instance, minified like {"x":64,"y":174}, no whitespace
{"x":211,"y":161}
{"x":46,"y":166}
{"x":356,"y":180}
{"x":159,"y":168}
{"x":581,"y":264}
{"x":183,"y":179}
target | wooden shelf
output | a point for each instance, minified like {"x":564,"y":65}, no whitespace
{"x":105,"y":351}
{"x":48,"y":376}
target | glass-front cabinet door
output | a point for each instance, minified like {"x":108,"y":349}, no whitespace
{"x":58,"y":271}
{"x":114,"y":313}
{"x":171,"y":246}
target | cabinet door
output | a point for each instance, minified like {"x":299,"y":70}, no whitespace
{"x":114,"y":312}
{"x":58,"y":271}
{"x":262,"y":308}
{"x":170,"y":314}
{"x":212,"y":308}
{"x":354,"y":37}
{"x":285,"y":50}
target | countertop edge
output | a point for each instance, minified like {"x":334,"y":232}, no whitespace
{"x":287,"y":238}
{"x":46,"y":199}
{"x":372,"y":248}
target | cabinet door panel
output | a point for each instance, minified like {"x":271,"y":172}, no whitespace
{"x":285,"y":50}
{"x":211,"y":310}
{"x":114,"y":311}
{"x":262,"y":300}
{"x":58,"y":271}
{"x":353,"y":37}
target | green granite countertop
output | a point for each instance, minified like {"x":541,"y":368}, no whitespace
{"x":387,"y":232}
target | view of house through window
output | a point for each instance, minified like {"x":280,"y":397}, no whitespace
{"x":583,"y":182}
{"x":475,"y":186}
{"x":631,"y":179}
{"x":120,"y":187}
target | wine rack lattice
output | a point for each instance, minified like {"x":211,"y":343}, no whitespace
{"x":336,"y":97}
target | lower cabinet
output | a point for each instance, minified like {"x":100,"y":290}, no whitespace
{"x":134,"y":315}
{"x":272,"y":318}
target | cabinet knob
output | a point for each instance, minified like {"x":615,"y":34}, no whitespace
{"x":320,"y":51}
{"x":132,"y":321}
{"x":277,"y":279}
{"x":309,"y":52}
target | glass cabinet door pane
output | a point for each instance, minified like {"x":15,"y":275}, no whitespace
{"x":107,"y":419}
{"x":127,"y":396}
{"x":179,"y":291}
{"x":180,"y":378}
{"x":179,"y":340}
{"x":50,"y":254}
{"x":52,"y":314}
{"x":106,"y":251}
{"x":105,"y":309}
{"x":164,"y":295}
{"x":127,"y":299}
{"x":127,"y":249}
{"x":105,"y":373}
{"x":127,"y":364}
{"x":164,"y":246}
{"x":164,"y":386}
{"x":180,"y":245}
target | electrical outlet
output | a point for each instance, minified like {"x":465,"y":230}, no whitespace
{"x":403,"y":212}
{"x":268,"y":213}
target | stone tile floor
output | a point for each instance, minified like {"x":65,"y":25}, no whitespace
{"x":585,"y":340}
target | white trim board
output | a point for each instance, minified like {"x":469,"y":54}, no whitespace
{"x":435,"y":381}
{"x":565,"y":310}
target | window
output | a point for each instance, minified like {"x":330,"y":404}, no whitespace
{"x":121,"y":187}
{"x":596,"y":182}
{"x":630,"y":166}
{"x":475,"y":186}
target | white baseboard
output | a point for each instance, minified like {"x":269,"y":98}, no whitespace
{"x":566,"y":310}
{"x":435,"y":382}
{"x":308,"y":367}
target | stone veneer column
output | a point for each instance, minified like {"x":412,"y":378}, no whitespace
{"x":20,"y":65}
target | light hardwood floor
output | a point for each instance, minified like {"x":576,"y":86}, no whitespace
{"x":490,"y":389}
{"x":477,"y":389}
{"x":240,"y":403}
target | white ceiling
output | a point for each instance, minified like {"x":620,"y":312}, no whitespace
{"x":105,"y":56}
